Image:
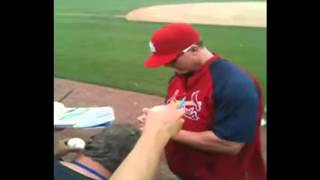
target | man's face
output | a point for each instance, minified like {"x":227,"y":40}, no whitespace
{"x":186,"y":62}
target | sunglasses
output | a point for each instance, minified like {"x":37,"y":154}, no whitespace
{"x":180,"y":54}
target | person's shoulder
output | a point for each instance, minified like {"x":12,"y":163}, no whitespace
{"x":62,"y":172}
{"x":223,"y":66}
{"x":56,"y":160}
{"x":230,"y":79}
{"x":223,"y":69}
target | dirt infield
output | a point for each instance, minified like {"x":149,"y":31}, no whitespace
{"x":125,"y":103}
{"x":251,"y":14}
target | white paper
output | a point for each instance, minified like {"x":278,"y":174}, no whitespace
{"x":81,"y":117}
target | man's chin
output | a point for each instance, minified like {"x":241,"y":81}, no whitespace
{"x":189,"y":73}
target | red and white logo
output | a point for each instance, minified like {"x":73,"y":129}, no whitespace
{"x":152,"y":48}
{"x":192,"y":106}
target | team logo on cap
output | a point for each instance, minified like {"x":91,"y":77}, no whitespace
{"x":152,"y":48}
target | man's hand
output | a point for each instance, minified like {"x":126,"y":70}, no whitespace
{"x":166,"y":120}
{"x":159,"y":125}
{"x":142,"y":118}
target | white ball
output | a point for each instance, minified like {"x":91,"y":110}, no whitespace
{"x":76,"y":143}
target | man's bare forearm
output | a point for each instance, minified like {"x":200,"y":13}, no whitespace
{"x":207,"y":141}
{"x":145,"y":158}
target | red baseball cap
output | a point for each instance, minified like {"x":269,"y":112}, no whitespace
{"x":169,"y":41}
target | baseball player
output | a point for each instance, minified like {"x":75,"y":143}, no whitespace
{"x":220,"y":138}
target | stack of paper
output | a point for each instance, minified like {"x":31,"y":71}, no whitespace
{"x":82,"y":117}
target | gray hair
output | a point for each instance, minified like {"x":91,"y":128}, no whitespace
{"x":112,"y":145}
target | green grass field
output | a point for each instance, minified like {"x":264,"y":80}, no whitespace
{"x":92,"y":44}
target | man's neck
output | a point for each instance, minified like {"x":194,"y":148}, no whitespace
{"x":89,"y":163}
{"x":206,"y":55}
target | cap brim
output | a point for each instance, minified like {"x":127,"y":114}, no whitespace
{"x":159,"y":60}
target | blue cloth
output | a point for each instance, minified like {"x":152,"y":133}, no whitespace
{"x":236,"y":102}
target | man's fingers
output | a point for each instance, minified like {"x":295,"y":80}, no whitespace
{"x":182,"y":110}
{"x":145,"y":110}
{"x":171,"y":105}
{"x":141,"y":118}
{"x":141,"y":124}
